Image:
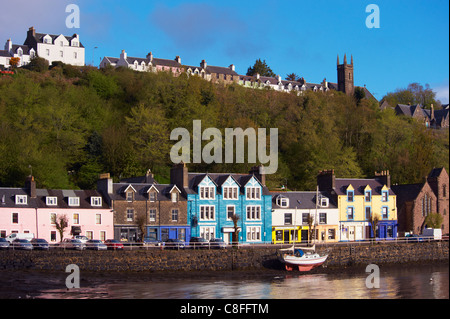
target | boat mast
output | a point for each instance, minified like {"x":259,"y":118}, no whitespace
{"x":315,"y":216}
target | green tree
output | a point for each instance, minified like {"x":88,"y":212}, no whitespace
{"x":292,"y":77}
{"x":261,"y":68}
{"x":148,"y":131}
{"x":434,"y":220}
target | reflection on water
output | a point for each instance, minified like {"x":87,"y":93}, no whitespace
{"x":400,"y":282}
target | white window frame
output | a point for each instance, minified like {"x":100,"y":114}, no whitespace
{"x":175,"y":213}
{"x":53,"y":218}
{"x":21,"y":199}
{"x":152,"y":214}
{"x":324,"y":202}
{"x":76,"y":221}
{"x":207,"y":212}
{"x":253,"y":233}
{"x":51,"y":201}
{"x":98,"y":219}
{"x":96,"y":201}
{"x":234,"y":211}
{"x":283,"y":201}
{"x":253,"y":212}
{"x":128,"y":211}
{"x":74,"y":201}
{"x":207,"y":232}
{"x":230,"y":192}
{"x":253,"y":192}
{"x":207,"y":192}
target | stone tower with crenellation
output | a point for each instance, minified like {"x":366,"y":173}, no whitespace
{"x":345,"y":76}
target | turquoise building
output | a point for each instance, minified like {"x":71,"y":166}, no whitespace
{"x":214,"y":198}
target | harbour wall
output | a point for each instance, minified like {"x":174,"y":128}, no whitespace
{"x":245,"y":258}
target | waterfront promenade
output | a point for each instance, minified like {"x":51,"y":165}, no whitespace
{"x":256,"y":257}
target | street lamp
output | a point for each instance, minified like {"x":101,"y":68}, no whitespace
{"x":93,"y":54}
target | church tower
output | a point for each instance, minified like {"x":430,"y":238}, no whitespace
{"x":345,"y":76}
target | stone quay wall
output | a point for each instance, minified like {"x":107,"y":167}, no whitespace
{"x":245,"y":258}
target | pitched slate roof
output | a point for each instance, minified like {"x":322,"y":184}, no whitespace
{"x":39,"y":37}
{"x":219,"y":178}
{"x":407,"y":192}
{"x":4,"y":53}
{"x":301,"y":200}
{"x":359,"y":185}
{"x":7,"y":198}
{"x":141,"y":193}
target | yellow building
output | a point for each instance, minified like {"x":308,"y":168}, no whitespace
{"x":295,"y":213}
{"x":360,"y":201}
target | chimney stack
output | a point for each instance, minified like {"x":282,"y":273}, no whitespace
{"x":123,"y":55}
{"x":30,"y":186}
{"x":384,"y":177}
{"x":149,"y":177}
{"x":259,"y":172}
{"x":326,"y":180}
{"x":179,"y":176}
{"x":203,"y":64}
{"x":105,"y":184}
{"x":32,"y":32}
{"x":178,"y":59}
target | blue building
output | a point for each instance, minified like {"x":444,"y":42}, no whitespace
{"x":213,"y":199}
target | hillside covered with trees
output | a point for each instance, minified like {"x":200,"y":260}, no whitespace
{"x":67,"y":125}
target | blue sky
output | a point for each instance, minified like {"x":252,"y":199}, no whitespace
{"x":303,"y":37}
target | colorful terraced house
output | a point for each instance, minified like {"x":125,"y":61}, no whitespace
{"x":214,"y":198}
{"x":360,"y":201}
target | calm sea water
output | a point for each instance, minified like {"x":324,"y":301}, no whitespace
{"x":405,"y":282}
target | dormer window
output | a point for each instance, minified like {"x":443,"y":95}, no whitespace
{"x":253,"y":193}
{"x":350,"y":195}
{"x":96,"y":201}
{"x":230,"y":192}
{"x":21,"y":199}
{"x":152,"y":196}
{"x":51,"y":201}
{"x":384,"y":196}
{"x":324,"y":202}
{"x":282,"y":201}
{"x":368,"y":195}
{"x":130,"y":196}
{"x":174,"y":197}
{"x":74,"y":201}
{"x":207,"y":192}
{"x":74,"y":43}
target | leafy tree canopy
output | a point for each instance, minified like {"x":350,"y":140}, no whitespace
{"x":261,"y":68}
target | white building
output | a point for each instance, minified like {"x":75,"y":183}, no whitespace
{"x":67,"y":49}
{"x":290,"y":214}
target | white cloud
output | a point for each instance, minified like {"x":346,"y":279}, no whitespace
{"x":442,"y":92}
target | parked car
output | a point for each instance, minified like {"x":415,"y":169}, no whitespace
{"x":14,"y":236}
{"x":174,"y":244}
{"x":414,"y":238}
{"x":217,"y":243}
{"x":113,"y":244}
{"x":152,"y":242}
{"x":21,"y":244}
{"x":70,"y":243}
{"x":96,"y":244}
{"x":4,"y":244}
{"x":198,"y":242}
{"x":81,"y":238}
{"x":39,"y":244}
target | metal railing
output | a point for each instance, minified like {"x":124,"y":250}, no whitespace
{"x":259,"y":245}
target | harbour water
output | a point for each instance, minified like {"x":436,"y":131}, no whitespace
{"x":396,"y":282}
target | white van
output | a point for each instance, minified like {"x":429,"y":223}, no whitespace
{"x":27,"y":236}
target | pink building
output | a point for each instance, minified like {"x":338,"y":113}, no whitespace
{"x":31,"y":210}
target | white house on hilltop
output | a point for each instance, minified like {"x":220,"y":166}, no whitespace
{"x":67,"y":49}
